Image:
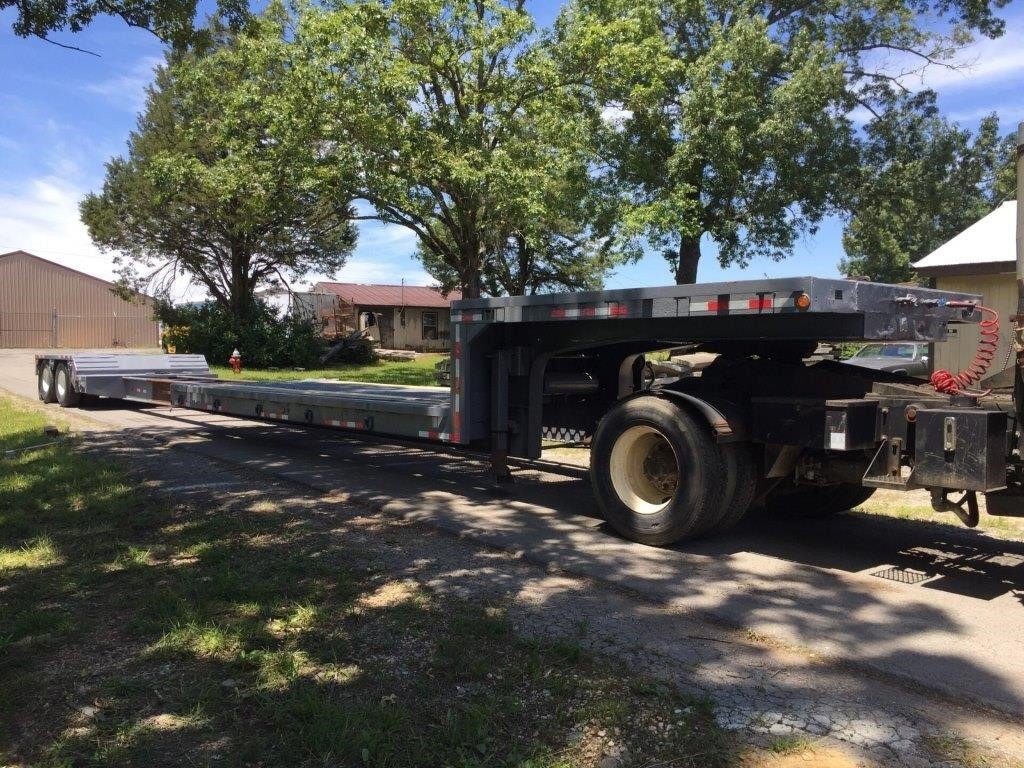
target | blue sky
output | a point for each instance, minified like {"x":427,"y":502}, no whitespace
{"x":65,"y":113}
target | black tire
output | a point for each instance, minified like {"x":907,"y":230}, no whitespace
{"x":740,"y":485}
{"x":45,"y":384}
{"x":67,"y":396}
{"x":822,"y":501}
{"x":639,"y":447}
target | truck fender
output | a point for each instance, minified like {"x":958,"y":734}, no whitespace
{"x":723,"y":418}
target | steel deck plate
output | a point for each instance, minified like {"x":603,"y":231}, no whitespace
{"x":392,"y":398}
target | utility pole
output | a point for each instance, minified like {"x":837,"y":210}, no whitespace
{"x":1018,"y":320}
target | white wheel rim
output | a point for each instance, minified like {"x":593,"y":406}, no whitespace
{"x":644,"y":469}
{"x":46,"y":377}
{"x":62,"y":383}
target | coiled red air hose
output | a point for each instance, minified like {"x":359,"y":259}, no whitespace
{"x":946,"y":382}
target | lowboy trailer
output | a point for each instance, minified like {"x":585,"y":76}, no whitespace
{"x":670,"y":458}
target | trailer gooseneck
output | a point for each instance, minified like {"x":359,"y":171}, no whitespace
{"x":670,"y":459}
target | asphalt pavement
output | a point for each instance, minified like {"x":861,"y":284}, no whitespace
{"x":939,"y":607}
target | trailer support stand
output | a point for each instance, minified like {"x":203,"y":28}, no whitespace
{"x":499,"y":416}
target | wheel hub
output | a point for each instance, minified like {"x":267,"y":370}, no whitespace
{"x":660,"y":468}
{"x":644,"y":469}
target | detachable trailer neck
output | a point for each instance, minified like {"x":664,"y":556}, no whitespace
{"x":572,"y":366}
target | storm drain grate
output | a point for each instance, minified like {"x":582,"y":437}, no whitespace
{"x":902,"y":575}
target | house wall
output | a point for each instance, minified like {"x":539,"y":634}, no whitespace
{"x":43,"y":304}
{"x":407,"y":335}
{"x":1000,"y":293}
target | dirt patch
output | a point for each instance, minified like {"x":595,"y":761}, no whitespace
{"x":811,"y":756}
{"x":389,"y":595}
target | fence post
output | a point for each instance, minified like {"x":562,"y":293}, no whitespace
{"x":53,"y":328}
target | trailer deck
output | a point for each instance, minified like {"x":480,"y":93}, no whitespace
{"x":758,"y":420}
{"x":521,"y":335}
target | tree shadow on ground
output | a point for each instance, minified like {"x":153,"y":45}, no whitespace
{"x":255,"y":621}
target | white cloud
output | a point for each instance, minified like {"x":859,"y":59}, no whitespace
{"x":984,"y":62}
{"x":616,"y":115}
{"x":388,"y":272}
{"x":41,"y":217}
{"x":1009,"y":116}
{"x":384,"y":254}
{"x":127,"y":91}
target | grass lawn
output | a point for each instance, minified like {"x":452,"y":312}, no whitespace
{"x":418,"y":372}
{"x":136,"y":631}
{"x":916,"y":505}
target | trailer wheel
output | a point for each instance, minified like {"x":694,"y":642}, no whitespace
{"x":740,"y":486}
{"x":808,"y":501}
{"x":655,"y":470}
{"x":47,"y":393}
{"x":67,"y":397}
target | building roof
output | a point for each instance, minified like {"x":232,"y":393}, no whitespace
{"x":389,"y":295}
{"x":990,"y":240}
{"x":59,"y":266}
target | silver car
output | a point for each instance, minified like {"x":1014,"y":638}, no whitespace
{"x":907,"y":358}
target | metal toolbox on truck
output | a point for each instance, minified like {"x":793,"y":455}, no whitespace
{"x":960,"y":448}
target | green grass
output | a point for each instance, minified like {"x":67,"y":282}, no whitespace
{"x":418,"y":372}
{"x":790,"y":744}
{"x":915,"y":506}
{"x":238,"y":631}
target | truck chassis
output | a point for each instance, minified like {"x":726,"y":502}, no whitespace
{"x":670,"y":459}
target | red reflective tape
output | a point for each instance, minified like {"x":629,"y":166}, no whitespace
{"x":456,"y":422}
{"x":714,"y":305}
{"x":617,"y":310}
{"x":587,"y":311}
{"x":558,"y":312}
{"x":760,"y":303}
{"x":457,"y":349}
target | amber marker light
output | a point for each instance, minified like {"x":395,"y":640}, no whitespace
{"x":803,"y":301}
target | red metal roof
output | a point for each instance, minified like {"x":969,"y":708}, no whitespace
{"x":388,"y":295}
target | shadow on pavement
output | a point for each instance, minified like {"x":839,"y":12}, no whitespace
{"x":767,"y":576}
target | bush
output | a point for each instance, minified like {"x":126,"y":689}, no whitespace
{"x":263,"y":339}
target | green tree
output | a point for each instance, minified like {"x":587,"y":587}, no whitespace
{"x":568,"y":243}
{"x":218,"y":185}
{"x":465,"y":134}
{"x":922,"y":181}
{"x":735,"y":121}
{"x":170,"y":20}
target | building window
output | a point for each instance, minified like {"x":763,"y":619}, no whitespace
{"x":430,"y":325}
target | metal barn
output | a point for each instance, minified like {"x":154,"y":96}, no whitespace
{"x":44,"y":305}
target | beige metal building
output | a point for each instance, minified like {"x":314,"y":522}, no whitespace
{"x":981,"y":259}
{"x":43,"y":304}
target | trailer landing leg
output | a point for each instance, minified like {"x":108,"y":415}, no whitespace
{"x":968,"y":516}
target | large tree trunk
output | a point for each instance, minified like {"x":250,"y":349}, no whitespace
{"x":241,"y":298}
{"x":471,"y":283}
{"x":689,"y":255}
{"x":471,"y":274}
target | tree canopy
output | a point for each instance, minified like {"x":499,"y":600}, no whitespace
{"x":218,"y":184}
{"x":170,"y":20}
{"x":466,"y":134}
{"x":922,"y":180}
{"x":735,"y":115}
